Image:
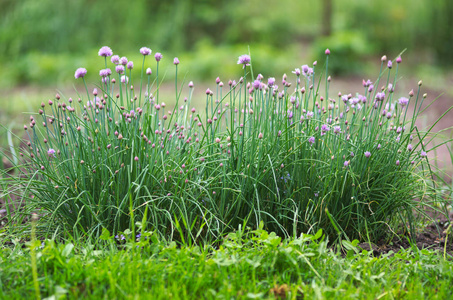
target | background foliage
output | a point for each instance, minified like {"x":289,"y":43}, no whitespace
{"x":32,"y":32}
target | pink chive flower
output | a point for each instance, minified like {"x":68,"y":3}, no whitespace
{"x":124,"y":79}
{"x":119,"y":69}
{"x":123,"y":60}
{"x":403,"y":101}
{"x":130,"y":65}
{"x":346,"y":163}
{"x":148,"y":71}
{"x":158,"y":56}
{"x":105,"y":72}
{"x":311,"y":140}
{"x":271,"y":81}
{"x":80,"y":72}
{"x":398,"y":60}
{"x":176,"y":61}
{"x":115,"y":59}
{"x":191,"y":84}
{"x":327,"y":52}
{"x":244,"y":60}
{"x":105,"y":51}
{"x":367,"y":154}
{"x":51,"y":152}
{"x":389,"y":64}
{"x":380,"y":96}
{"x":423,"y":154}
{"x":337,"y":129}
{"x":136,"y":158}
{"x":145,"y":51}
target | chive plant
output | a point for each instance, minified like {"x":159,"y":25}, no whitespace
{"x":284,"y":155}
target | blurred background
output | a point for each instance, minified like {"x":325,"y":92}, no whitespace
{"x":43,"y":42}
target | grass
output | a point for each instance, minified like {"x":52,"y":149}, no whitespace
{"x":245,"y":265}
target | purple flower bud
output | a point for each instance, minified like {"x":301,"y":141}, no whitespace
{"x":346,"y":163}
{"x":397,"y":162}
{"x":411,"y":93}
{"x":148,"y":71}
{"x":208,"y":91}
{"x":389,"y":64}
{"x":327,"y":52}
{"x":191,"y":84}
{"x":145,"y":51}
{"x":423,"y":154}
{"x":176,"y":61}
{"x":105,"y":51}
{"x":80,"y":72}
{"x":130,"y":65}
{"x":158,"y":56}
{"x":398,"y":60}
{"x":311,"y":140}
{"x":409,"y":147}
{"x":367,"y":154}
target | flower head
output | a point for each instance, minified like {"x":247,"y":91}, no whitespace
{"x":105,"y":72}
{"x":123,"y":60}
{"x":423,"y":154}
{"x":115,"y":59}
{"x":145,"y":51}
{"x":367,"y":154}
{"x":158,"y":56}
{"x":124,"y":79}
{"x":130,"y":65}
{"x":176,"y":61}
{"x":380,"y":96}
{"x":244,"y":60}
{"x":337,"y":129}
{"x":271,"y":81}
{"x":105,"y":51}
{"x":80,"y":72}
{"x":51,"y":152}
{"x":403,"y":101}
{"x":119,"y":69}
{"x":311,"y":140}
{"x":389,"y":64}
{"x":148,"y":71}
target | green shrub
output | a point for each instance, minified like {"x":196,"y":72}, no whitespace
{"x":353,"y":165}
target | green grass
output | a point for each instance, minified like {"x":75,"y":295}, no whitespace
{"x":245,"y":265}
